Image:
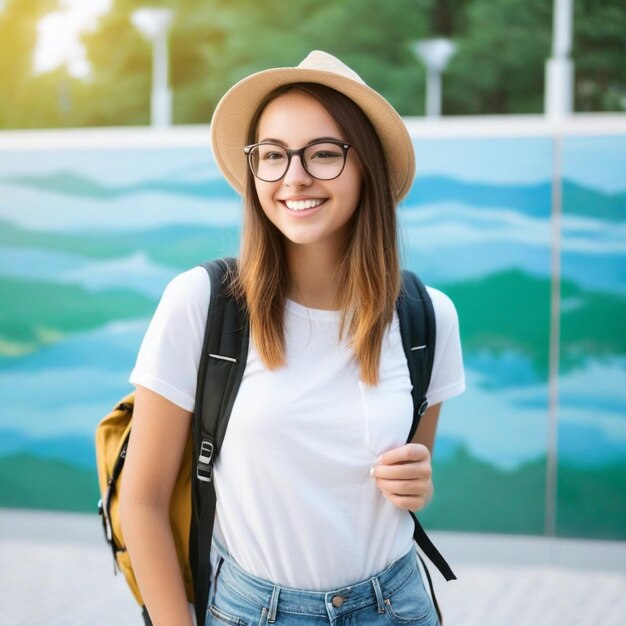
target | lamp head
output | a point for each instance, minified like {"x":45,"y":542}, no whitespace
{"x":152,"y":22}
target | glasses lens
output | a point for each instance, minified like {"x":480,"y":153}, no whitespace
{"x":324,"y":160}
{"x":268,"y":161}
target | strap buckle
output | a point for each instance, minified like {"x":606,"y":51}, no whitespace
{"x":204,"y":470}
{"x":423,"y":407}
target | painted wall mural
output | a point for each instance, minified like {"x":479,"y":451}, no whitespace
{"x":592,"y":376}
{"x":90,"y":236}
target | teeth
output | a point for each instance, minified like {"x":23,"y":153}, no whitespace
{"x":300,"y":205}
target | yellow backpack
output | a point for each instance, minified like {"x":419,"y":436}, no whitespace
{"x":111,"y":442}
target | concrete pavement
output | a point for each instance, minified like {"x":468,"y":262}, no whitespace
{"x":55,"y":569}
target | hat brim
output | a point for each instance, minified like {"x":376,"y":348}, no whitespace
{"x":229,"y":125}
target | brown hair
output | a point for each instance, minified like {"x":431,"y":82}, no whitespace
{"x":369,"y":268}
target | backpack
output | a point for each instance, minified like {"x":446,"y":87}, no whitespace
{"x":222,"y":364}
{"x":112,"y":436}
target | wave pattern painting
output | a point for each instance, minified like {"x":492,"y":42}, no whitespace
{"x":592,"y":381}
{"x":90,"y":238}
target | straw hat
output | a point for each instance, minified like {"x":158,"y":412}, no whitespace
{"x":229,"y":126}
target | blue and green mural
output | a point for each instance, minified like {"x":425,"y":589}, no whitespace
{"x":89,"y":238}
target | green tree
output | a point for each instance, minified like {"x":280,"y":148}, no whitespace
{"x":18,"y":37}
{"x":117,"y":92}
{"x":214,"y":43}
{"x":600,"y":55}
{"x":499,"y":63}
{"x":503,"y":45}
{"x":376,"y":39}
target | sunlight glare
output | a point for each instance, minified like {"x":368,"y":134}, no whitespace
{"x":58,"y":41}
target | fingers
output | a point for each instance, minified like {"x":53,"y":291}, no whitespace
{"x":409,"y":503}
{"x":412,"y":495}
{"x":408,"y":471}
{"x":403,"y":487}
{"x":408,"y":453}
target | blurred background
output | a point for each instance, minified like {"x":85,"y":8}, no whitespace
{"x":80,"y":63}
{"x":518,"y":212}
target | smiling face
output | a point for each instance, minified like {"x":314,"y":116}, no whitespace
{"x":307,"y":211}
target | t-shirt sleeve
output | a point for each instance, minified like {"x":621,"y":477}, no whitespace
{"x":448,"y":377}
{"x":169,"y":355}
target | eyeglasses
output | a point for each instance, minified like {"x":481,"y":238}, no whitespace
{"x":324,"y":159}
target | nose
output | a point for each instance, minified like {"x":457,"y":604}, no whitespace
{"x":296,"y":175}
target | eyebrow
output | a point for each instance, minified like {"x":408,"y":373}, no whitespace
{"x":282,"y":143}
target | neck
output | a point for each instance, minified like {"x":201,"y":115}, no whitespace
{"x":312,"y":281}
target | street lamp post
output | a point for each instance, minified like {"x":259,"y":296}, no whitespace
{"x":435,"y":54}
{"x":154,"y":24}
{"x":560,"y":68}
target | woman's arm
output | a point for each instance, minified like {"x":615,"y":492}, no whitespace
{"x":158,"y":437}
{"x":425,"y":433}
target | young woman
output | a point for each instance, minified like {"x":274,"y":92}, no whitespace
{"x":314,"y":478}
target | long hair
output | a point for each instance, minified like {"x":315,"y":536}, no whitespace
{"x":368,"y":269}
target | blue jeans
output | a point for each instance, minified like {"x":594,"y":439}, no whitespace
{"x":394,"y":596}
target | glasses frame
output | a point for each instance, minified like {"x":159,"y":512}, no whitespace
{"x":300,"y":154}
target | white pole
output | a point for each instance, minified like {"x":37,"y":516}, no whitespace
{"x":154,"y":25}
{"x":435,"y":54}
{"x":161,"y":102}
{"x":559,"y":86}
{"x":433,"y":94}
{"x":558,"y":104}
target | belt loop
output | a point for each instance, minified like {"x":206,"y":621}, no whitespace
{"x":379,"y":595}
{"x":273,"y":604}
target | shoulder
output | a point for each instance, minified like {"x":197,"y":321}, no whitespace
{"x":189,"y":284}
{"x":168,"y":359}
{"x":192,"y":287}
{"x":448,"y":378}
{"x":186,"y":297}
{"x":445,"y":311}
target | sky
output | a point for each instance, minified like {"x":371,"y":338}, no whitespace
{"x":58,"y":41}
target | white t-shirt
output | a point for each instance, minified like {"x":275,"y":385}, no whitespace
{"x":295,"y":502}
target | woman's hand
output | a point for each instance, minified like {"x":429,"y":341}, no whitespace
{"x":404,"y":475}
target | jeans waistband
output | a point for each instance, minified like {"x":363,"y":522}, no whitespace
{"x":332,"y":603}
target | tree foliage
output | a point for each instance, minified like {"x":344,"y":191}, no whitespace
{"x":600,"y":55}
{"x":499,"y":65}
{"x":18,"y":37}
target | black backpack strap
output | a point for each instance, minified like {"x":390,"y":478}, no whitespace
{"x":418,"y":330}
{"x":220,"y":372}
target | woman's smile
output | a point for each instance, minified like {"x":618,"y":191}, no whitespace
{"x":304,"y":205}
